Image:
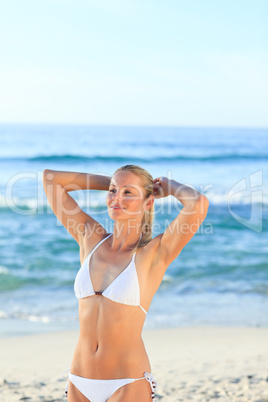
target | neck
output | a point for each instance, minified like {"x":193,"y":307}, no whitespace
{"x":125,"y":238}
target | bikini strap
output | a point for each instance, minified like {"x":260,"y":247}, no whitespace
{"x":66,"y":388}
{"x":143,"y":309}
{"x":152,"y":382}
{"x":98,"y":244}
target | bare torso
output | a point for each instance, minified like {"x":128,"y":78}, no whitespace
{"x":110,"y":344}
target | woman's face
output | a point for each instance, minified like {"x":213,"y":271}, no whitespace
{"x":125,"y":198}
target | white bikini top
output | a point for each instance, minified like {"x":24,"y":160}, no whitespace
{"x":124,"y":288}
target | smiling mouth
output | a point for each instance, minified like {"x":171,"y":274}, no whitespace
{"x":117,"y":208}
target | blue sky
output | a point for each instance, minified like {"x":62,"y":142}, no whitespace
{"x":138,"y":62}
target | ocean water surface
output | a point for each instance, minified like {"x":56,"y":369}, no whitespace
{"x":219,"y":278}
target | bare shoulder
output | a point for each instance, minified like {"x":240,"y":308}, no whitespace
{"x":89,"y":239}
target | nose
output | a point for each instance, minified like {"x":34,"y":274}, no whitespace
{"x":117,"y":197}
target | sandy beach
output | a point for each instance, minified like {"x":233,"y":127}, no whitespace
{"x":188,"y":363}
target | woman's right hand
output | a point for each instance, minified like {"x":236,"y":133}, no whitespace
{"x":162,"y":187}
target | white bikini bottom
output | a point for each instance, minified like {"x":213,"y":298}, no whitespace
{"x":101,"y":390}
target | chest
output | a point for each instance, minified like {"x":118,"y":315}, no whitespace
{"x":105,"y":269}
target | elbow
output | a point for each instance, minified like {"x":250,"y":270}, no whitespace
{"x":205,"y":200}
{"x":45,"y":175}
{"x":203,"y":203}
{"x":45,"y":172}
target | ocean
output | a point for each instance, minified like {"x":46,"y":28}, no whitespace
{"x":219,"y":278}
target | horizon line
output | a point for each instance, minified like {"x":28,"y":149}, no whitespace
{"x":133,"y":125}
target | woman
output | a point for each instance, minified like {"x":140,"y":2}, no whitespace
{"x":119,"y":275}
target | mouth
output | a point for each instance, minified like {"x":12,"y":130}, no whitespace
{"x":117,"y":208}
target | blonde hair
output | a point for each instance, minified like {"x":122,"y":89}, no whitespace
{"x":148,"y":217}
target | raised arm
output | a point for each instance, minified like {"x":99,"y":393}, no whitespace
{"x":181,"y":230}
{"x":58,"y":184}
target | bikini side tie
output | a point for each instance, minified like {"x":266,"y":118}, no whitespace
{"x":152,"y":382}
{"x":66,"y":388}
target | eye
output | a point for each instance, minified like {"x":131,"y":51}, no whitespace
{"x":112,"y":190}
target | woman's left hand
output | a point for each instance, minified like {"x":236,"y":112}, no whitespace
{"x":162,"y":187}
